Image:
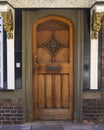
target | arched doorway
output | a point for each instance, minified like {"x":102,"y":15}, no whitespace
{"x":53,"y":68}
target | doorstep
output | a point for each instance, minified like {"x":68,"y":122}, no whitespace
{"x":53,"y":125}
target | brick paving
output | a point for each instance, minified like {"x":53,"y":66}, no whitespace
{"x":41,"y":125}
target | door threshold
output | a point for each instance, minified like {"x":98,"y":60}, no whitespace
{"x":41,"y":122}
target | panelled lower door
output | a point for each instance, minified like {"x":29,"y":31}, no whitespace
{"x":53,"y":68}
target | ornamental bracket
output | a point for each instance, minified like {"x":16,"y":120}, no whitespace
{"x":96,"y":23}
{"x":8,"y":23}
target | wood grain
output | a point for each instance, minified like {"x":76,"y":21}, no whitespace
{"x":53,"y":68}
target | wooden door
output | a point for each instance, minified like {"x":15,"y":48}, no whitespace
{"x":53,"y":68}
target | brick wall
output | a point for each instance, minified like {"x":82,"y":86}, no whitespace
{"x":11,"y":111}
{"x":93,"y":109}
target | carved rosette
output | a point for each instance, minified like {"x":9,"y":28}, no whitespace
{"x":96,"y":23}
{"x":8,"y":23}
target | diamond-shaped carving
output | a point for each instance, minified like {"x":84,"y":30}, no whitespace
{"x":52,"y":46}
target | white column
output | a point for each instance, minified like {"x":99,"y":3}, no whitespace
{"x":1,"y":53}
{"x":94,"y":64}
{"x":11,"y":61}
{"x":10,"y":64}
{"x":10,"y":53}
{"x":94,"y":54}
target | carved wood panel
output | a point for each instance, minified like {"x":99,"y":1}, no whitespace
{"x":53,"y":68}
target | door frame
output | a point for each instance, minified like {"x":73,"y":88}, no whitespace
{"x":27,"y":21}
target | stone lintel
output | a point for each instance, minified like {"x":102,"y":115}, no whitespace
{"x":52,"y":3}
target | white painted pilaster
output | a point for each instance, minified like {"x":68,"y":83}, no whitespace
{"x":10,"y":53}
{"x":94,"y":54}
{"x":11,"y":61}
{"x":10,"y":64}
{"x":94,"y":64}
{"x":1,"y":54}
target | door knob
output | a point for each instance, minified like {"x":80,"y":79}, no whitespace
{"x":35,"y":58}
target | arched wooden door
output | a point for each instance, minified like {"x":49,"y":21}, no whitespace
{"x":53,"y":68}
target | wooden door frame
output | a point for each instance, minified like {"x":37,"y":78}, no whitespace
{"x":27,"y":22}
